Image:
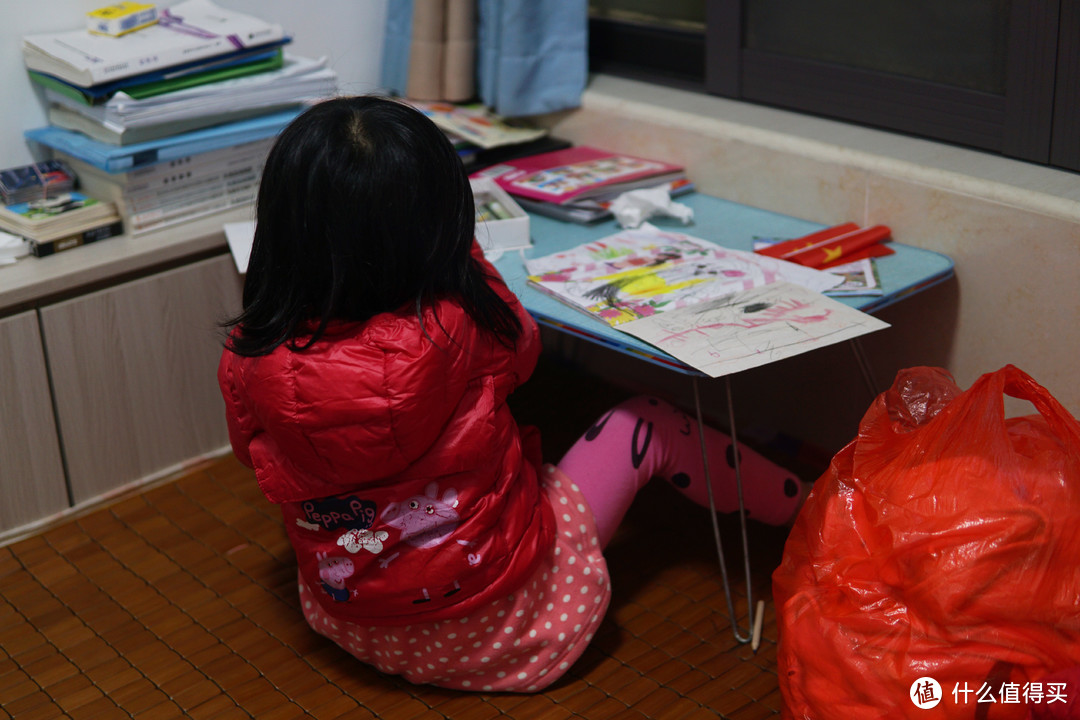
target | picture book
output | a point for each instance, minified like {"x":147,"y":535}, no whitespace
{"x":53,"y":217}
{"x":477,"y":125}
{"x":580,"y":172}
{"x":593,"y":209}
{"x":186,"y":32}
{"x":646,"y":271}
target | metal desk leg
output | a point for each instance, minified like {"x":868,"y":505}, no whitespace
{"x":755,"y":620}
{"x":864,"y":366}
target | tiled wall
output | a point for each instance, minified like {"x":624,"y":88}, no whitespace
{"x":1013,"y":230}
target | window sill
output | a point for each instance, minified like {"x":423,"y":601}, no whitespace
{"x":955,"y":169}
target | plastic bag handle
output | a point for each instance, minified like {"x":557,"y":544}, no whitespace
{"x":1014,"y":382}
{"x":880,"y":438}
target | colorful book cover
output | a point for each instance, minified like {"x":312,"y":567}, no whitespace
{"x":50,"y":218}
{"x":35,"y":181}
{"x":37,"y":212}
{"x":578,"y":172}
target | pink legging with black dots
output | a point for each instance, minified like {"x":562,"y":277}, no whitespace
{"x":645,"y":437}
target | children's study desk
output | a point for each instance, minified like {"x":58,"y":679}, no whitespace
{"x":910,"y":270}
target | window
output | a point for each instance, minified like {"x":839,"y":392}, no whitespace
{"x":997,"y":75}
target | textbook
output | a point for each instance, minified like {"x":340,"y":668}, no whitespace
{"x":185,"y":33}
{"x":120,"y":158}
{"x":580,"y":172}
{"x":149,"y":84}
{"x":113,"y":134}
{"x":181,"y":189}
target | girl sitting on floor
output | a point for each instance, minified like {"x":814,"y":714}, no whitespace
{"x":365,"y":381}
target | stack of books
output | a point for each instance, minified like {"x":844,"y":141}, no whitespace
{"x":41,"y":208}
{"x":173,"y":120}
{"x":578,"y":184}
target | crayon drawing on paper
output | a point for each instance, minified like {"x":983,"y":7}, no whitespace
{"x":640,"y":273}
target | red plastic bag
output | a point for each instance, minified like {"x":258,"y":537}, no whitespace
{"x":943,"y":543}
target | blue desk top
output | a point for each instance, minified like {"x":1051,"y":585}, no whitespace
{"x":908,"y":271}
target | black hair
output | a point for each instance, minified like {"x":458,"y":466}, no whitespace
{"x":364,"y":207}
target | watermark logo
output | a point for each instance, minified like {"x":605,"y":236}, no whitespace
{"x":925,"y":693}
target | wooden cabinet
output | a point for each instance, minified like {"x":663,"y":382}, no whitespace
{"x":108,"y":364}
{"x":134,"y":374}
{"x":31,"y":470}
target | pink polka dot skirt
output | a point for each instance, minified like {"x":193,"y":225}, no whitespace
{"x":520,"y":643}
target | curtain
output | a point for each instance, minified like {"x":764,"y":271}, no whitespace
{"x":518,"y":57}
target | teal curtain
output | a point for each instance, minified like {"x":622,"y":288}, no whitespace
{"x":398,"y":38}
{"x":532,"y":55}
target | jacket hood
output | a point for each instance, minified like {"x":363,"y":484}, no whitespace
{"x":364,"y":403}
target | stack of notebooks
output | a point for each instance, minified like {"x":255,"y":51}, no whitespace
{"x":173,"y":120}
{"x":578,"y":184}
{"x":41,"y":207}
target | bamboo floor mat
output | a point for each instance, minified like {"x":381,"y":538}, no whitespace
{"x":180,"y":601}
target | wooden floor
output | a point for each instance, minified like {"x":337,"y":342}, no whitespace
{"x":181,"y":602}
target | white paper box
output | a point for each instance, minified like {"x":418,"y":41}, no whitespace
{"x":510,"y":233}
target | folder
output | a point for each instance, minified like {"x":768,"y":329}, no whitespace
{"x":120,"y":158}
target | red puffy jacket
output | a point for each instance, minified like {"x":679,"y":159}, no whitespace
{"x":407,"y":488}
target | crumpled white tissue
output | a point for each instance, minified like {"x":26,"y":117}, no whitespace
{"x":634,"y":207}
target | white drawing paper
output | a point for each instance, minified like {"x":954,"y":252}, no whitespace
{"x":240,"y":236}
{"x":752,"y":327}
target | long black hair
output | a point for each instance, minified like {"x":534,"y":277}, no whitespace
{"x":364,"y":207}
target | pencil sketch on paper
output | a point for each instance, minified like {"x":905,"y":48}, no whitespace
{"x":753,"y":327}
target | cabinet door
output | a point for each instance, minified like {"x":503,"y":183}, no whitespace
{"x":31,"y":472}
{"x":134,"y":374}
